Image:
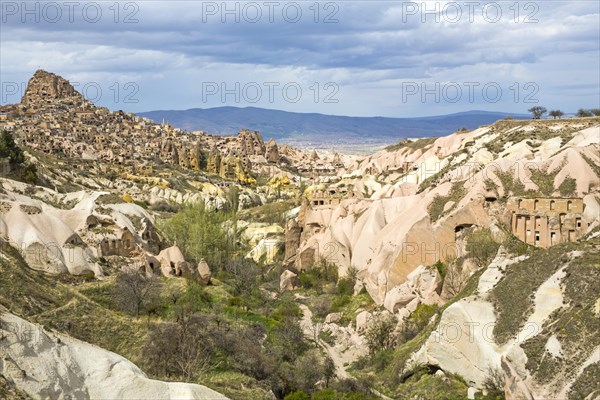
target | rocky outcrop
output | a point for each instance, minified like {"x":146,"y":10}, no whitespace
{"x":51,"y":365}
{"x":45,"y":87}
{"x":288,"y":280}
{"x":214,"y":161}
{"x":173,"y":263}
{"x":434,"y":193}
{"x":424,"y":284}
{"x":292,"y":240}
{"x":272,"y":152}
{"x":204,"y":273}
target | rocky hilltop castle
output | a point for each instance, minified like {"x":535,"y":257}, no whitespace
{"x":55,"y":119}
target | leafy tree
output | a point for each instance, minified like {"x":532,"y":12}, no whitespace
{"x":21,"y":170}
{"x":10,"y":150}
{"x":481,"y":247}
{"x":595,"y":111}
{"x":308,"y":370}
{"x":136,"y":293}
{"x":179,"y":350}
{"x":380,"y":334}
{"x":27,"y":173}
{"x":537,"y":111}
{"x":199,"y":233}
{"x":556,"y":114}
{"x":582,"y":113}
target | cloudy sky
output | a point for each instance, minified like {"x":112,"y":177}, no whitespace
{"x":366,"y":58}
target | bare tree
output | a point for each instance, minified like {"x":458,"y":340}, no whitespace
{"x":244,"y":274}
{"x":494,"y":384}
{"x":136,"y":293}
{"x":556,"y":114}
{"x":454,"y":281}
{"x":180,"y":350}
{"x":537,"y":111}
{"x":328,"y":370}
{"x":193,"y":356}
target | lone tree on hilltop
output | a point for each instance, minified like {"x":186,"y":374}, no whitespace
{"x":556,"y":114}
{"x":537,"y":111}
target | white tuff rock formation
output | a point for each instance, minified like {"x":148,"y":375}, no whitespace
{"x":50,"y":365}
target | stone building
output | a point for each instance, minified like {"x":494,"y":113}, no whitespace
{"x":330,"y":196}
{"x":118,"y":244}
{"x":545,"y":222}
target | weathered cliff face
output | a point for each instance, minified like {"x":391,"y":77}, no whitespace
{"x":519,"y":323}
{"x":430,"y":195}
{"x":51,"y":365}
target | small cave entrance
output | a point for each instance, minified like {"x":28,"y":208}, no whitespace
{"x":460,"y":231}
{"x":426,"y":369}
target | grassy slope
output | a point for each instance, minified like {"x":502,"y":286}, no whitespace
{"x":84,"y":310}
{"x":57,"y":304}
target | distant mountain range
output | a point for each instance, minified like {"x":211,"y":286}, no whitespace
{"x":321,"y":130}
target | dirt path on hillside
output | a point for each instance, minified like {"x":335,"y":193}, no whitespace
{"x":312,"y":332}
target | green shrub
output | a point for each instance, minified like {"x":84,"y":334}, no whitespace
{"x":568,"y":187}
{"x":380,"y":334}
{"x":513,"y":245}
{"x":412,"y":144}
{"x":510,"y":184}
{"x":327,"y":337}
{"x":321,"y":274}
{"x":110,"y":198}
{"x":481,"y":247}
{"x":441,"y":268}
{"x":196,"y":297}
{"x":436,"y":207}
{"x":341,"y":300}
{"x":417,"y":321}
{"x":544,"y":180}
{"x":345,"y":286}
{"x":297,"y":395}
